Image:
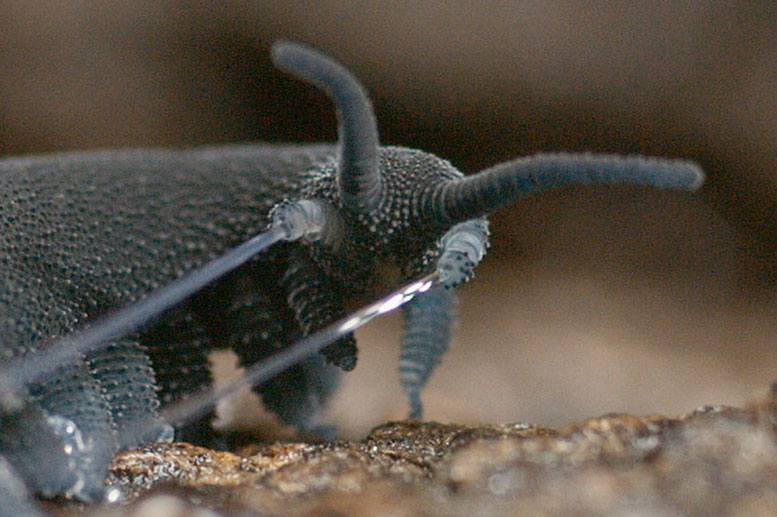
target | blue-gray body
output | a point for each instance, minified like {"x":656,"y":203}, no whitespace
{"x":84,"y":234}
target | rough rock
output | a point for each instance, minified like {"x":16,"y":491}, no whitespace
{"x":715,"y":460}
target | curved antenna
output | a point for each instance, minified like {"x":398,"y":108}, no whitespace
{"x":488,"y":191}
{"x":359,"y":178}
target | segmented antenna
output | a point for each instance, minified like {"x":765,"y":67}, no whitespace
{"x":486,"y":192}
{"x":359,"y":177}
{"x":291,"y":221}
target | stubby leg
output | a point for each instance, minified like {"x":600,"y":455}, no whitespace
{"x":299,"y":394}
{"x":178,"y":346}
{"x":311,"y":298}
{"x":257,"y":323}
{"x":69,"y":404}
{"x":128,"y":384}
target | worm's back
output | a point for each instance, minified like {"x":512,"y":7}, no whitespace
{"x":81,"y":234}
{"x":84,"y":234}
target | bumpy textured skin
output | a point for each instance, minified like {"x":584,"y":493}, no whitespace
{"x":84,"y":234}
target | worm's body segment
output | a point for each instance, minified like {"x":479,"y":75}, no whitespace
{"x":84,"y":234}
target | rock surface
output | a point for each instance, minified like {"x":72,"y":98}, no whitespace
{"x":715,"y":460}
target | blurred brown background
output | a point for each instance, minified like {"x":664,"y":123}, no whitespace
{"x":590,"y":301}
